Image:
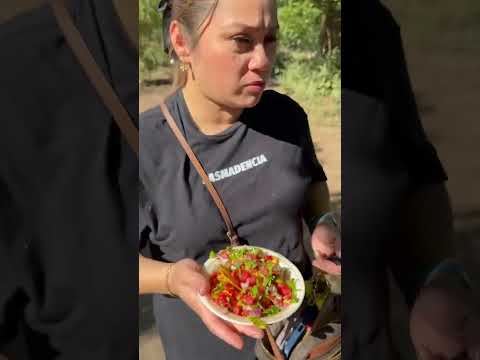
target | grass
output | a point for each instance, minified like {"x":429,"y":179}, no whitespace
{"x":314,"y":83}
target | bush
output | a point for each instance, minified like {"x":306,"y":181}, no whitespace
{"x":309,"y":79}
{"x":299,"y":25}
{"x":151,"y":54}
{"x":310,"y":25}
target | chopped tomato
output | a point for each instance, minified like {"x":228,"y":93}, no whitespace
{"x":284,"y":290}
{"x":250,"y":283}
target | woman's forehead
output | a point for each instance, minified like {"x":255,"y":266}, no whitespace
{"x":255,"y":14}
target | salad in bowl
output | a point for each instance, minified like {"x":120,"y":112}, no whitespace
{"x":252,"y":285}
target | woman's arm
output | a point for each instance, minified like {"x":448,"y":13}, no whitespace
{"x":317,"y":201}
{"x":325,"y":240}
{"x":153,"y":276}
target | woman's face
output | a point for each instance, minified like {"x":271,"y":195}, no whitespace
{"x":234,"y":56}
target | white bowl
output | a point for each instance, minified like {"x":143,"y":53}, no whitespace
{"x":212,"y":264}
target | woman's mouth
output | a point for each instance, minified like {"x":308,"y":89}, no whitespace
{"x":256,"y":86}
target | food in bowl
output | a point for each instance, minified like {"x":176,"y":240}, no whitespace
{"x":250,"y":283}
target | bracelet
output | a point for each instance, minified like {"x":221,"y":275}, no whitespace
{"x":449,"y":266}
{"x":169,"y":292}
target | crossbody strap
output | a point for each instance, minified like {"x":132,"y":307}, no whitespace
{"x":95,"y":74}
{"x":231,"y":233}
{"x":120,"y":115}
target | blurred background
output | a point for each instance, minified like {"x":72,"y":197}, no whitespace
{"x":308,"y":69}
{"x":442,"y":45}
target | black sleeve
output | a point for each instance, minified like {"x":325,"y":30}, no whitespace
{"x":311,"y":164}
{"x":419,"y":154}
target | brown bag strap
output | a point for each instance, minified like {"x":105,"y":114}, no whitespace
{"x":231,"y":233}
{"x":95,"y":74}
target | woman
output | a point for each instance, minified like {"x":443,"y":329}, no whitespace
{"x":256,"y":147}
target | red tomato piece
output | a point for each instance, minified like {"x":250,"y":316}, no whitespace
{"x":248,"y":299}
{"x":284,"y":290}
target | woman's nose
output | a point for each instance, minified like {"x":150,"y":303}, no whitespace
{"x":260,"y":61}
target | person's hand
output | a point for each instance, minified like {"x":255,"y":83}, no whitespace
{"x":326,"y":243}
{"x":445,"y":323}
{"x":190,"y":281}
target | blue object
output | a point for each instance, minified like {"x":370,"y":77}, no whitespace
{"x":294,"y":339}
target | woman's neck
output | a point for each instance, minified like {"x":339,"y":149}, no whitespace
{"x":209,"y":117}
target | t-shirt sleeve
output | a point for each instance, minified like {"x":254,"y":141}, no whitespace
{"x":311,"y":164}
{"x":420,"y":155}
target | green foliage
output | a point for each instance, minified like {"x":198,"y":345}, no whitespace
{"x":299,"y":24}
{"x":310,"y":25}
{"x":309,"y":58}
{"x":309,"y":79}
{"x":150,"y":27}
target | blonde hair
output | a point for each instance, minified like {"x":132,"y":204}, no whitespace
{"x":193,"y":16}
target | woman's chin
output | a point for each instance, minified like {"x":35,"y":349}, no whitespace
{"x":250,"y":100}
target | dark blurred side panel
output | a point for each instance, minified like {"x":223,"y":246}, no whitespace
{"x":68,"y":186}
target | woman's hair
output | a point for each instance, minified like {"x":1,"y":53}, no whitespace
{"x":193,"y":17}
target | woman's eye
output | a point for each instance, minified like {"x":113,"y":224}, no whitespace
{"x":242,"y":40}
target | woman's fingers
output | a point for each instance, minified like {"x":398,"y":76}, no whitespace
{"x":325,"y":241}
{"x":251,"y":331}
{"x":222,"y":330}
{"x":327,"y":266}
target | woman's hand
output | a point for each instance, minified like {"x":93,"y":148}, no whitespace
{"x":445,"y":323}
{"x":187,"y":280}
{"x":326,"y":243}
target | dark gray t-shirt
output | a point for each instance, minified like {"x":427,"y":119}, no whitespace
{"x":261,"y":166}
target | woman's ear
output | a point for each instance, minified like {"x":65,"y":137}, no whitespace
{"x":180,"y":42}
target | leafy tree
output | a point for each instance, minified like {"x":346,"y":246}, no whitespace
{"x":310,"y":25}
{"x":151,"y":45}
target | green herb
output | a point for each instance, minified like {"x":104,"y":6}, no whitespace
{"x":250,"y":264}
{"x":259,"y":323}
{"x":237,"y":254}
{"x":269,"y":281}
{"x":218,"y":289}
{"x":255,"y":291}
{"x":270,"y":267}
{"x":212,"y":254}
{"x":293,"y":287}
{"x":272,"y":311}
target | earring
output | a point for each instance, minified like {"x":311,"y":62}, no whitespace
{"x":183,"y":67}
